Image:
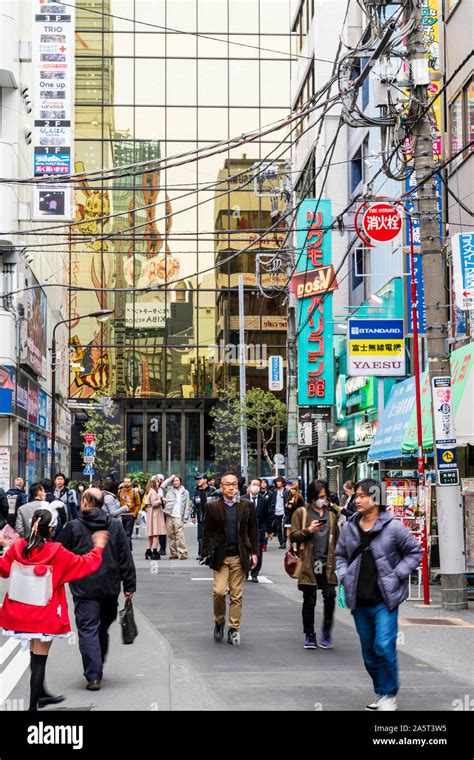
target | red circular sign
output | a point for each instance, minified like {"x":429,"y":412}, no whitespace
{"x":382,"y":222}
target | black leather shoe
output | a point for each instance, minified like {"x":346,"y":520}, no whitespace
{"x":50,"y":699}
{"x":254,"y":579}
{"x":162,"y":552}
{"x":218,"y":631}
{"x":148,"y":554}
{"x":155,"y":555}
{"x":93,"y":685}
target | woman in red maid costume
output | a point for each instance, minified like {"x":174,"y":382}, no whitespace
{"x":35,"y":609}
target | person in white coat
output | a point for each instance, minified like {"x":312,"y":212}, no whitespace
{"x":177,"y":510}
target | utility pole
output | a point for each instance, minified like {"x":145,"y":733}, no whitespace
{"x":244,"y":459}
{"x":448,"y":497}
{"x":291,"y":351}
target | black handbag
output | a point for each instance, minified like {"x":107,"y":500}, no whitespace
{"x":127,"y":622}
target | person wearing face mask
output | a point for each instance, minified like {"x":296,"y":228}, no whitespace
{"x":295,"y":500}
{"x":265,"y":518}
{"x":315,"y":531}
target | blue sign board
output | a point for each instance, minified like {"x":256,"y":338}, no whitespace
{"x":420,"y":295}
{"x":388,"y":439}
{"x":7,"y":387}
{"x":42,"y":409}
{"x":89,"y":451}
{"x":314,"y":321}
{"x":47,"y":161}
{"x":463,"y":269}
{"x":376,"y":329}
{"x":88,"y":470}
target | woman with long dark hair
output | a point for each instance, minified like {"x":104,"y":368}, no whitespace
{"x":35,"y":608}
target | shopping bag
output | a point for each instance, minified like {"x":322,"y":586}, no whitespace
{"x":341,"y":596}
{"x":127,"y":622}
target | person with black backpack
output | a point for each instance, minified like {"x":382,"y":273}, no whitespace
{"x":96,"y":597}
{"x":16,"y":497}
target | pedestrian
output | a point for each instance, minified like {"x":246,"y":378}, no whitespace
{"x":16,"y":497}
{"x":80,"y":488}
{"x":66,"y":495}
{"x":155,"y":518}
{"x":212,"y":482}
{"x":96,"y":597}
{"x":375,"y":556}
{"x":202,"y":493}
{"x":315,"y":531}
{"x":177,"y":510}
{"x":37,"y":625}
{"x":265,"y":493}
{"x":111,"y":501}
{"x":129,"y":497}
{"x":230,"y":534}
{"x":37,"y":498}
{"x":349,"y":507}
{"x":55,"y":503}
{"x":279,"y":498}
{"x":162,"y":539}
{"x":295,"y":500}
{"x":264,"y":522}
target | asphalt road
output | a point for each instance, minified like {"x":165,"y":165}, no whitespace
{"x":174,"y":664}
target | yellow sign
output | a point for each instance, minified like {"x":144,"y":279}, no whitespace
{"x":385,"y":348}
{"x":448,"y":456}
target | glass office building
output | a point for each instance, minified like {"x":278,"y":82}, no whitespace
{"x":156,"y":79}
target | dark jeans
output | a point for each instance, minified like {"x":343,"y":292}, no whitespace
{"x":377,"y":627}
{"x":128,"y":521}
{"x":93,"y":619}
{"x":200,"y":529}
{"x":279,"y":529}
{"x":309,"y":604}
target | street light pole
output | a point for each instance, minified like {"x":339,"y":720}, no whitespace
{"x":102,"y":316}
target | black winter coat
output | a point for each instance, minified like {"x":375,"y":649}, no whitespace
{"x":117,"y":561}
{"x":265,"y":516}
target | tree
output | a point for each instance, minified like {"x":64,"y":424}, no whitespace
{"x":265,"y":413}
{"x":108,"y":437}
{"x":225,"y":434}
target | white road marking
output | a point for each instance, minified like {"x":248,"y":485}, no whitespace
{"x":261,"y":579}
{"x":13,"y":672}
{"x":7,"y":648}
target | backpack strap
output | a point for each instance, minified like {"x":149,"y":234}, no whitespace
{"x":365,"y":545}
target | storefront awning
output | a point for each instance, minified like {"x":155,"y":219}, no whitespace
{"x":344,"y":451}
{"x":397,"y":434}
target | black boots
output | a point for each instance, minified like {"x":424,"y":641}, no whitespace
{"x":155,"y":554}
{"x":148,"y":554}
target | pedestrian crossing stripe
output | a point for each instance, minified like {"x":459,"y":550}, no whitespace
{"x":261,"y":579}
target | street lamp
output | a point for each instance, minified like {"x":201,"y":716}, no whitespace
{"x":102,"y":316}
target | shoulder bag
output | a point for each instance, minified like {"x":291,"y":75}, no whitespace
{"x":293,"y":563}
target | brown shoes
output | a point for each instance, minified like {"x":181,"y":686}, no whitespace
{"x":93,"y":685}
{"x":185,"y":556}
{"x":173,"y":556}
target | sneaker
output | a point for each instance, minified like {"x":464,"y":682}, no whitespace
{"x":325,"y":641}
{"x":233,"y":637}
{"x":310,"y":641}
{"x":218,"y":631}
{"x":387,"y":704}
{"x":373,"y":705}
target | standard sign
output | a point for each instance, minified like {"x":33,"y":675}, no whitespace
{"x":376,"y":347}
{"x":275,"y":373}
{"x":445,"y":434}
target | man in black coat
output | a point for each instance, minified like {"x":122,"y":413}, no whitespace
{"x":96,"y":596}
{"x":265,"y":519}
{"x":230,"y":535}
{"x":202,"y":493}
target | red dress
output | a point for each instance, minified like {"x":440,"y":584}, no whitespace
{"x":53,"y":618}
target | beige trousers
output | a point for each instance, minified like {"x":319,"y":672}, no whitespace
{"x":175,"y":531}
{"x":230,"y":578}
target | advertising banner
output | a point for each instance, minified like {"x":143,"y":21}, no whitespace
{"x":7,"y":390}
{"x":445,"y":435}
{"x":376,"y":347}
{"x":275,"y":373}
{"x":42,"y":410}
{"x":463,"y":269}
{"x":36,"y":330}
{"x":420,"y":296}
{"x":22,"y":397}
{"x":314,"y":322}
{"x":53,"y":47}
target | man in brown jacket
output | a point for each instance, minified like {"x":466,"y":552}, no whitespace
{"x":315,"y":530}
{"x":230,"y":535}
{"x":129,"y":497}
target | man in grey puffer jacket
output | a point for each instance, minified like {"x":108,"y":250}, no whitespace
{"x":375,"y":555}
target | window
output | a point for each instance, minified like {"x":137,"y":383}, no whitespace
{"x":356,"y":169}
{"x":303,"y":22}
{"x":365,"y":157}
{"x":365,"y":84}
{"x":358,"y":267}
{"x":306,"y":92}
{"x":461,"y":113}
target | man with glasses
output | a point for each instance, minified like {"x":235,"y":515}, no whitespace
{"x":230,"y":535}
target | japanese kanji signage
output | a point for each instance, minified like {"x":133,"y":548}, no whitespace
{"x":463,"y":269}
{"x":420,"y":296}
{"x":53,"y":49}
{"x":314,"y":284}
{"x":444,"y":432}
{"x":382,"y":222}
{"x":376,"y":347}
